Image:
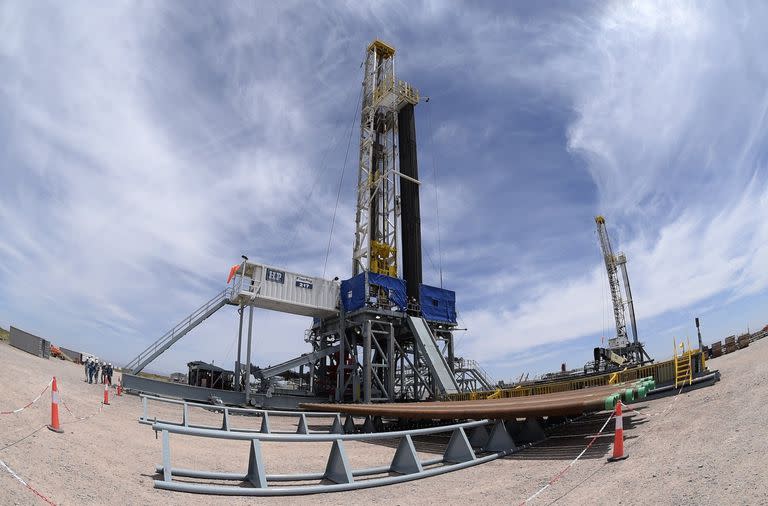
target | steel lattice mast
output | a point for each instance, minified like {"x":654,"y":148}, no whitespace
{"x":376,"y":216}
{"x":611,"y":266}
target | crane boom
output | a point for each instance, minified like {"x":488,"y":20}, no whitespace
{"x":611,"y":266}
{"x":620,"y":345}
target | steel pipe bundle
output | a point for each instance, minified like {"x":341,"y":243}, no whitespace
{"x":558,"y":404}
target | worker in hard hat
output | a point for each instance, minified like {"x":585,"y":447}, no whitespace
{"x":109,"y":374}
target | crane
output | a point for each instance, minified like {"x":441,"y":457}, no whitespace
{"x":631,"y":352}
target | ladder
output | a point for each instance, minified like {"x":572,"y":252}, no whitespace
{"x":178,"y":331}
{"x":683,"y":365}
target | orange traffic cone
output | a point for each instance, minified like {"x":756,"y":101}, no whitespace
{"x":119,"y":388}
{"x":106,"y":395}
{"x":54,"y":426}
{"x":618,"y":438}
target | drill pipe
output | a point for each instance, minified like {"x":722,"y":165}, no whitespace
{"x":572,"y":402}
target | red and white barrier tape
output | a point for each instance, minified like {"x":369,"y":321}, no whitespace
{"x":29,"y":404}
{"x":20,"y":480}
{"x":570,"y":464}
{"x":561,"y":473}
{"x":11,"y":471}
{"x":663,"y":413}
{"x":79,"y":418}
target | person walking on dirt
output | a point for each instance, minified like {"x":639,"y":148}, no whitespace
{"x":109,"y":374}
{"x":90,"y":370}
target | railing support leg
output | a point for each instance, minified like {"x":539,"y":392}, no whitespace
{"x":256,"y":473}
{"x":459,"y":449}
{"x":406,"y":460}
{"x":302,"y":427}
{"x":337,"y":469}
{"x":166,"y":456}
{"x":225,"y":420}
{"x":336,"y":427}
{"x":499,"y":439}
{"x":265,"y":423}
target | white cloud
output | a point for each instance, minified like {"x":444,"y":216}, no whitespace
{"x":670,"y":119}
{"x":144,"y":150}
{"x":132,"y":187}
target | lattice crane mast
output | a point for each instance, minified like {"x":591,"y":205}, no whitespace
{"x":376,"y":218}
{"x":632,"y":352}
{"x":611,"y":266}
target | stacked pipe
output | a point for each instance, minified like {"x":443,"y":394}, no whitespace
{"x":636,"y":390}
{"x":572,"y":402}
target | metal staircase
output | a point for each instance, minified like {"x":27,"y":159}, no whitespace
{"x":471,"y":376}
{"x":181,"y":329}
{"x":683,"y":365}
{"x":305,"y":359}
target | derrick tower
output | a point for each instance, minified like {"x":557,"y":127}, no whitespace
{"x":376,"y":218}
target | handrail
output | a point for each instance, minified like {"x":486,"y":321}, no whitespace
{"x":470,"y":364}
{"x":212,"y":407}
{"x":324,"y":437}
{"x":224,"y":294}
{"x":339,"y":474}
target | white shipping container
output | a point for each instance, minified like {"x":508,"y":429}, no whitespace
{"x":288,"y":292}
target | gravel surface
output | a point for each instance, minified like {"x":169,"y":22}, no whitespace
{"x":705,"y":446}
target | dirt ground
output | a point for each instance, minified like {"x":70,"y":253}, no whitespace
{"x":706,"y":446}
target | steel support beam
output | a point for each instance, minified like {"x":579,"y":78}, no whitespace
{"x":248,"y":357}
{"x":367,"y":362}
{"x":238,"y":366}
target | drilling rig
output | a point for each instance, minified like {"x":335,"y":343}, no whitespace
{"x":382,"y":335}
{"x":394,"y":334}
{"x":620,"y":350}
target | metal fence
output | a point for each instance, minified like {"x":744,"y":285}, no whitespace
{"x":406,"y":465}
{"x":30,"y":343}
{"x":227,"y":424}
{"x":73,"y":355}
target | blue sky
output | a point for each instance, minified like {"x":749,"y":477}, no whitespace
{"x":145,"y":146}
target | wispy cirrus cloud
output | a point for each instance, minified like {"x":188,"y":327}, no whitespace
{"x":670,"y":122}
{"x":146,"y":147}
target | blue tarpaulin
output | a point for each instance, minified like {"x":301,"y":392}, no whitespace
{"x":437,"y":304}
{"x":353,"y":294}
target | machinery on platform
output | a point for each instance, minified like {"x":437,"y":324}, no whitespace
{"x":381,"y":335}
{"x":620,"y":351}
